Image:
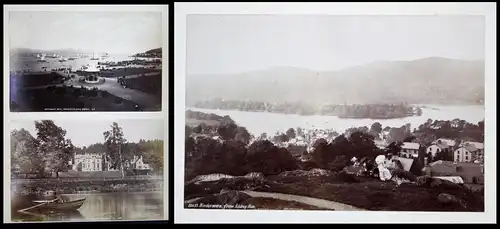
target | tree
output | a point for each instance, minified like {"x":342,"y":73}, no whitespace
{"x":410,"y":138}
{"x":24,"y":157}
{"x":439,"y":156}
{"x":153,"y":153}
{"x":113,"y":141}
{"x":55,"y":150}
{"x":290,"y":133}
{"x":376,"y":127}
{"x":242,"y":135}
{"x":263,"y":156}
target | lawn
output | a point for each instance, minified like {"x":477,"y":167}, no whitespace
{"x":151,"y":84}
{"x":365,"y":193}
{"x":65,"y":98}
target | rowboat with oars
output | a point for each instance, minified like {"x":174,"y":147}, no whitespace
{"x":55,"y":205}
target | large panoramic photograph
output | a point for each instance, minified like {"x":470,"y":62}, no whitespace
{"x":85,"y":60}
{"x":335,"y":113}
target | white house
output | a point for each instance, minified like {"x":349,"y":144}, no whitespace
{"x":478,"y":145}
{"x":90,"y":162}
{"x":468,"y":153}
{"x":440,"y":145}
{"x":138,"y":163}
{"x":409,"y":150}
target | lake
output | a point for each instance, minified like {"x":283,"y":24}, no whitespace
{"x":106,"y":206}
{"x":265,"y":122}
{"x":31,"y":62}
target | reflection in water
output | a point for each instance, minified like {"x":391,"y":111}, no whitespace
{"x":107,"y":206}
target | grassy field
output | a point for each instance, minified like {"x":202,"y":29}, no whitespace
{"x":69,"y":99}
{"x":119,"y":72}
{"x":365,"y":193}
{"x":36,"y":79}
{"x":151,"y":84}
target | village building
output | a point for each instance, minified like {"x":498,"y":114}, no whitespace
{"x":409,"y":150}
{"x":469,"y":152}
{"x":471,"y":173}
{"x":138,"y":166}
{"x":440,"y":145}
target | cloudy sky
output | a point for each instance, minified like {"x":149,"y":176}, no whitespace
{"x":86,"y":132}
{"x":239,"y":43}
{"x":112,"y":32}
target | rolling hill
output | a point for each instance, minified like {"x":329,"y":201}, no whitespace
{"x":429,"y":80}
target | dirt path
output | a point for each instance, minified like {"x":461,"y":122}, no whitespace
{"x":321,"y":203}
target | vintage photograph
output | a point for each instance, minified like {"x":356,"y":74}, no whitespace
{"x":100,"y":60}
{"x":89,"y":170}
{"x":335,"y":112}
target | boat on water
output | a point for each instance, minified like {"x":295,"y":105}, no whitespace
{"x":61,"y":59}
{"x":55,"y":205}
{"x":94,"y":57}
{"x":41,"y":58}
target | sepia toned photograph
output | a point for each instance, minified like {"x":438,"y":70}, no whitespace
{"x":90,"y":170}
{"x":335,"y":112}
{"x":85,"y":60}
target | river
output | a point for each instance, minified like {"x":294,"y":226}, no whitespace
{"x":106,"y":206}
{"x":264,"y":122}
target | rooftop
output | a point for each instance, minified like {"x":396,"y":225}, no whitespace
{"x":410,"y":145}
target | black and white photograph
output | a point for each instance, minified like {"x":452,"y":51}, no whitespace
{"x":91,"y":170}
{"x":76,"y":59}
{"x":321,"y":112}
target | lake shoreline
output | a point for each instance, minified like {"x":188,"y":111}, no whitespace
{"x":88,"y":186}
{"x":282,"y":122}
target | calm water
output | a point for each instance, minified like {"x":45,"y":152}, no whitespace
{"x":263,"y":122}
{"x":106,"y":206}
{"x":31,"y":63}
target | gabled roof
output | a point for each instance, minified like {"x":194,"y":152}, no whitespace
{"x":410,"y":145}
{"x":477,"y":145}
{"x":446,"y":141}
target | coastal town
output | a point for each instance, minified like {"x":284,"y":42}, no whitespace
{"x":99,"y":84}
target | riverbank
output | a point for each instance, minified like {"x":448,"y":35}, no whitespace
{"x":75,"y":186}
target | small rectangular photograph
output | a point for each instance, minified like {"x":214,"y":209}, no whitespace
{"x":312,"y":113}
{"x":75,"y":59}
{"x":87,"y":170}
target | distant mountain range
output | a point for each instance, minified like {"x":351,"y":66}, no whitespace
{"x":429,"y":80}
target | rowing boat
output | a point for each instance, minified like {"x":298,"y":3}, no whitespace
{"x":59,"y":205}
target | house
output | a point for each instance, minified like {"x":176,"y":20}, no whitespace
{"x":477,"y":145}
{"x":440,"y":145}
{"x":90,"y":162}
{"x":409,"y":150}
{"x":469,"y":152}
{"x":138,"y":164}
{"x":469,"y":172}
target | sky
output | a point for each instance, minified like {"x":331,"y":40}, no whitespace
{"x":112,"y":32}
{"x":224,"y":44}
{"x":85,"y":133}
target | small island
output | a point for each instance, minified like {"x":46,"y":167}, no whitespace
{"x":345,"y":111}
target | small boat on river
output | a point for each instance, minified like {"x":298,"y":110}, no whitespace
{"x":55,"y":205}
